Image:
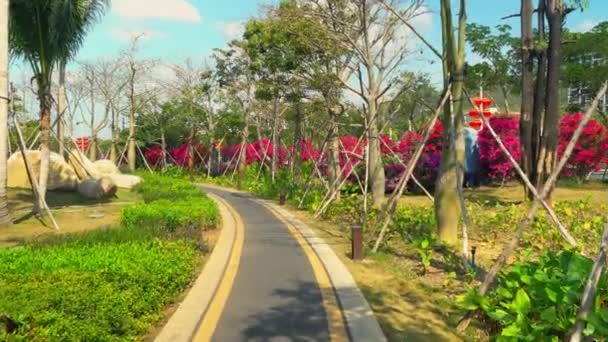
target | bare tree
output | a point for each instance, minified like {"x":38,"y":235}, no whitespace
{"x":377,"y":39}
{"x":138,"y":94}
{"x":105,"y":77}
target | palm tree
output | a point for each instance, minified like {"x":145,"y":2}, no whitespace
{"x":5,"y":217}
{"x":46,"y":33}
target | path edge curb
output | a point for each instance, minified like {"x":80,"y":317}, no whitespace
{"x":360,"y":321}
{"x":185,"y":321}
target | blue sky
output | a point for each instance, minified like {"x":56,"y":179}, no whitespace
{"x":177,"y":29}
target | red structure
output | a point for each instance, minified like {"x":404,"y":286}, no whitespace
{"x":481,"y":103}
{"x":82,"y":143}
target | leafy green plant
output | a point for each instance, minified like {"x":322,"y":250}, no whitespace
{"x":539,"y":300}
{"x":423,"y":248}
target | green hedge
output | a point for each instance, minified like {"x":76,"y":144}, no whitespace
{"x":156,"y":187}
{"x":111,"y":284}
{"x":172,"y":215}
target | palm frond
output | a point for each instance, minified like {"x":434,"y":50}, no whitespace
{"x":47,"y":32}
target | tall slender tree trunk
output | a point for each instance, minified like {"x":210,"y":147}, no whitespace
{"x":550,"y":134}
{"x":242,"y":167}
{"x":539,"y":102}
{"x":61,"y":107}
{"x":131,"y":149}
{"x":376,"y":167}
{"x":45,"y":140}
{"x":114,"y":138}
{"x":447,"y":210}
{"x":275,"y":139}
{"x":163,"y":148}
{"x":5,"y":218}
{"x":527,"y":86}
{"x":258,"y":127}
{"x":334,"y":152}
{"x":93,"y":146}
{"x":297,"y":142}
{"x":191,"y":152}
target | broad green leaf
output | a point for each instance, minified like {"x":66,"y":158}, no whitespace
{"x":521,"y":303}
{"x":552,"y":295}
{"x":498,"y":314}
{"x":512,"y":330}
{"x":504,"y":292}
{"x":424,"y":244}
{"x":549,"y":315}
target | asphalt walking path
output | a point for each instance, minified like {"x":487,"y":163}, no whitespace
{"x":275,"y":295}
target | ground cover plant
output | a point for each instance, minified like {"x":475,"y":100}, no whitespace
{"x":108,"y":284}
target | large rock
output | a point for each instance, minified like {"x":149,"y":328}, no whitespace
{"x":99,"y":188}
{"x":83,"y":166}
{"x":61,"y":174}
{"x":124,"y":181}
{"x":106,"y":167}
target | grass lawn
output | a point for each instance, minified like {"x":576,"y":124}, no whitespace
{"x":72,"y":212}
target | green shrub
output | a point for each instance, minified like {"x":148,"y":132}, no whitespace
{"x":539,"y":300}
{"x":156,"y":187}
{"x":102,"y":286}
{"x":110,"y":284}
{"x":172,"y":214}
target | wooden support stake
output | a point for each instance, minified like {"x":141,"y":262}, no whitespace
{"x":32,"y":177}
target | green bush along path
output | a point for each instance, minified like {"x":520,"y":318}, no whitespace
{"x":111,"y":284}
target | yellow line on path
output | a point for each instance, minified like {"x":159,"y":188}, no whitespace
{"x":212,"y":316}
{"x":335,"y":318}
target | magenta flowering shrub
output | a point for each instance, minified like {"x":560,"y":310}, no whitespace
{"x":494,"y":164}
{"x":589,"y":152}
{"x":181,"y":156}
{"x":427,"y":168}
{"x":154,"y":155}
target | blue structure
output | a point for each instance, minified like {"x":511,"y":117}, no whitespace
{"x":471,"y":159}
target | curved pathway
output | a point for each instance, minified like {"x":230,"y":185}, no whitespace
{"x":275,"y":295}
{"x":270,"y":278}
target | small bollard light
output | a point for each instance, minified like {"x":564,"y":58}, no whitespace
{"x":357,"y":242}
{"x":282,"y":196}
{"x":473,"y":251}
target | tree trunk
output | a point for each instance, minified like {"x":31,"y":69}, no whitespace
{"x":45,"y":140}
{"x":191,"y":153}
{"x":539,"y":102}
{"x":93,"y":147}
{"x":275,"y":139}
{"x":131,"y":152}
{"x":258,"y":127}
{"x":376,"y":167}
{"x":114,"y":139}
{"x":447,"y":211}
{"x":297,"y":143}
{"x":242,"y":167}
{"x":334,"y":153}
{"x":5,"y":218}
{"x":163,"y":149}
{"x":527,"y":93}
{"x":61,"y":107}
{"x":550,"y":134}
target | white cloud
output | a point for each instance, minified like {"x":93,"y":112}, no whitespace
{"x":124,"y":34}
{"x":585,"y":25}
{"x":179,"y":10}
{"x":423,"y":19}
{"x":232,"y":30}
